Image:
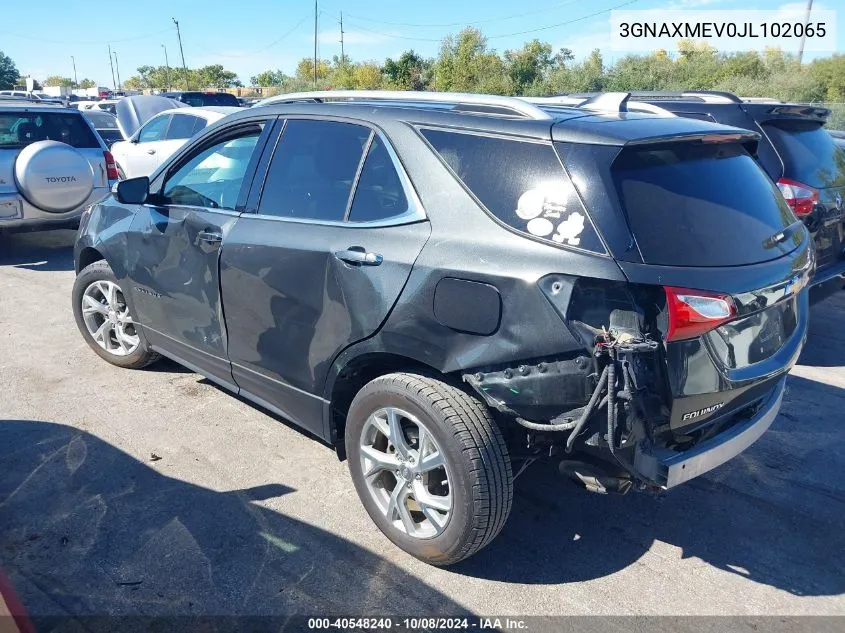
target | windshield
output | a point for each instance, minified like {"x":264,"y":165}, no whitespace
{"x":199,"y":99}
{"x":809,"y":153}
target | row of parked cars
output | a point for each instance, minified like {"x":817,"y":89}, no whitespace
{"x":448,"y":287}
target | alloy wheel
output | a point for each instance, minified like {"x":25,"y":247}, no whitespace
{"x":107,"y":318}
{"x":405,"y":472}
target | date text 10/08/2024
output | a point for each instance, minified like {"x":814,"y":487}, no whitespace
{"x":418,"y":623}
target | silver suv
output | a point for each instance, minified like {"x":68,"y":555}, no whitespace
{"x":53,"y":165}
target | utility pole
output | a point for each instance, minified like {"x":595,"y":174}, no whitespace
{"x":75,"y":82}
{"x":111,"y":63}
{"x":342,"y":54}
{"x":181,"y":51}
{"x":117,"y":69}
{"x":804,"y":32}
{"x":315,"y":43}
{"x":167,"y":66}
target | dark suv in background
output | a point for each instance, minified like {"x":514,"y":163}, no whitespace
{"x":798,"y":154}
{"x":202,"y":99}
{"x":442,"y":286}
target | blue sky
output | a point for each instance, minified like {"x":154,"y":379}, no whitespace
{"x":249,"y":36}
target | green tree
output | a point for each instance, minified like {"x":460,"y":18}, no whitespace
{"x":406,"y":73}
{"x":528,"y":65}
{"x":269,"y":78}
{"x":87,"y":83}
{"x":305,"y":69}
{"x":58,"y":80}
{"x":366,"y":76}
{"x":8,"y":72}
{"x":465,"y":64}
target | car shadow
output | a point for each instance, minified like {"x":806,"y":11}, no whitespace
{"x":772,"y":515}
{"x":825,"y":340}
{"x":43,"y":250}
{"x":89,"y":530}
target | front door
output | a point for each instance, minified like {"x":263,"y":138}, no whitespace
{"x":142,"y":155}
{"x":173,"y":262}
{"x":316,"y":268}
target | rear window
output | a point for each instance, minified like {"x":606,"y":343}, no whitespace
{"x":520,"y":183}
{"x":701,"y":205}
{"x":200,"y":99}
{"x":809,"y":153}
{"x":102,"y":120}
{"x":19,"y":129}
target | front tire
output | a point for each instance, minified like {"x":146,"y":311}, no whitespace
{"x":103,"y":318}
{"x":430,"y":466}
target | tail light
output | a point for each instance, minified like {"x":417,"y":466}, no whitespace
{"x":694,"y":312}
{"x":801,"y":198}
{"x":111,"y":166}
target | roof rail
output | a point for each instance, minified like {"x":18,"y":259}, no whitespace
{"x":601,"y":102}
{"x":713,"y":96}
{"x":487,"y":104}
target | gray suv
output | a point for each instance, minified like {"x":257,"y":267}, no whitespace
{"x":53,"y":165}
{"x":448,"y":287}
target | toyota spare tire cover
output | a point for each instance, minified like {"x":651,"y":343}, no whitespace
{"x":53,"y":176}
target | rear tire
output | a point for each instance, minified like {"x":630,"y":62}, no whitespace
{"x":103,"y":318}
{"x":475,"y":481}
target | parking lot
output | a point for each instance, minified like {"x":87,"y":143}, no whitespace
{"x":155,"y":492}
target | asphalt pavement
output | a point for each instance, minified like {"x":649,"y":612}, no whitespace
{"x":154,"y":492}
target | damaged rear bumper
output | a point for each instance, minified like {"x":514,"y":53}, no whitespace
{"x":668,"y":468}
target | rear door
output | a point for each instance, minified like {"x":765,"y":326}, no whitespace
{"x":813,"y":162}
{"x":334,"y":231}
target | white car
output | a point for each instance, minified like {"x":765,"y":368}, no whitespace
{"x":107,"y":105}
{"x":160,"y":136}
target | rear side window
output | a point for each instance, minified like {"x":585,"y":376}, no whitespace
{"x":184,"y":126}
{"x":312,"y":170}
{"x":809,"y":153}
{"x":701,"y":205}
{"x":19,"y":129}
{"x":522,"y":184}
{"x":379,"y":194}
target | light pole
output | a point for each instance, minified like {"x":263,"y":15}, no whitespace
{"x":804,"y":32}
{"x":117,"y":70}
{"x":167,"y":66}
{"x":181,"y":51}
{"x":75,"y":81}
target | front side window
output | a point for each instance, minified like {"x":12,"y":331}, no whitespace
{"x":154,"y":130}
{"x":521,"y":183}
{"x":313,"y":169}
{"x":213,"y":176}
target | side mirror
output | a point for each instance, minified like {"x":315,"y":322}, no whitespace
{"x":133,"y":190}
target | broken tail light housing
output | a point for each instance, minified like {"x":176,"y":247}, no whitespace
{"x":694,"y":312}
{"x":801,"y":198}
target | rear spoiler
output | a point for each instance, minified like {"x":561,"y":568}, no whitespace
{"x":789,"y":111}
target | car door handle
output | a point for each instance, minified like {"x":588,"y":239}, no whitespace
{"x":151,"y":151}
{"x":210,"y":237}
{"x":359,"y":256}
